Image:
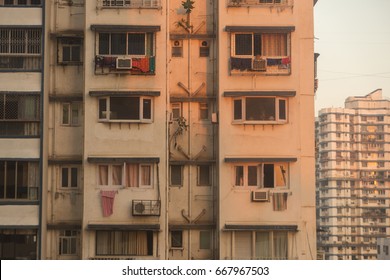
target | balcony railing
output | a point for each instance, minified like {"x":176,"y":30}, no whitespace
{"x":136,"y":66}
{"x":264,"y":65}
{"x":267,"y":3}
{"x":20,"y":63}
{"x":19,"y":128}
{"x":132,"y":4}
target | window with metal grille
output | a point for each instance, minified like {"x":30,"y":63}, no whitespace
{"x":132,"y":3}
{"x":19,"y":114}
{"x":137,"y":44}
{"x":20,"y":49}
{"x":19,"y":180}
{"x":20,"y":2}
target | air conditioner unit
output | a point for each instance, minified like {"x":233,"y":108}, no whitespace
{"x":260,"y":196}
{"x":123,"y":63}
{"x":259,"y":64}
{"x":139,"y":208}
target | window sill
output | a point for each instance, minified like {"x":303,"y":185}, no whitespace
{"x":126,"y":121}
{"x":259,"y":122}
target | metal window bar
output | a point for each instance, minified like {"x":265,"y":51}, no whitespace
{"x":132,"y":3}
{"x":259,"y":2}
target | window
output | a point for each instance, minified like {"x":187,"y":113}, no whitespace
{"x":267,"y":175}
{"x":176,"y":175}
{"x":18,"y":244}
{"x":70,"y":50}
{"x":20,"y":2}
{"x":204,"y":111}
{"x":69,"y":177}
{"x":270,"y":1}
{"x":176,"y":111}
{"x":131,"y":175}
{"x":125,"y":109}
{"x":260,"y":109}
{"x":19,"y":114}
{"x":386,"y":250}
{"x":69,"y":242}
{"x":19,"y":180}
{"x":132,"y":4}
{"x":20,"y":49}
{"x":204,"y":175}
{"x":125,"y":243}
{"x":71,"y":113}
{"x":267,"y":245}
{"x":176,"y":239}
{"x":205,"y":239}
{"x":134,"y":44}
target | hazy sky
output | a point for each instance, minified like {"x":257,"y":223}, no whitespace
{"x":353,"y":40}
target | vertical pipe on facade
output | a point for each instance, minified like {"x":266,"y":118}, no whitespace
{"x":167,"y":119}
{"x":41,"y":133}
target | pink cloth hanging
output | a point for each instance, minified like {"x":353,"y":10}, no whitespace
{"x":107,"y":202}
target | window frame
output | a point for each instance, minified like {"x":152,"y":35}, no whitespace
{"x":199,"y":182}
{"x":181,"y":175}
{"x":241,"y":116}
{"x":124,"y":174}
{"x":69,"y":175}
{"x":205,"y":234}
{"x":176,"y":244}
{"x":73,"y":237}
{"x":61,"y":44}
{"x":141,"y":108}
{"x":261,"y":177}
{"x":204,"y":106}
{"x":70,"y":120}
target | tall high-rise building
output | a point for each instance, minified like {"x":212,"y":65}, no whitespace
{"x":150,"y":129}
{"x":353,"y":177}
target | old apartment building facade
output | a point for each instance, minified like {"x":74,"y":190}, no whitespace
{"x":353,"y":179}
{"x":157,"y":130}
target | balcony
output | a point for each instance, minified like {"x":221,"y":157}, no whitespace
{"x":146,"y":207}
{"x":259,"y":3}
{"x":20,"y":63}
{"x":261,"y":66}
{"x":132,"y":4}
{"x":135,"y":65}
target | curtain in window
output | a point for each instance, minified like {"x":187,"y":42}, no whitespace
{"x":142,"y":243}
{"x":262,"y":246}
{"x":132,"y":175}
{"x":280,"y":245}
{"x":274,"y":44}
{"x":243,"y":245}
{"x":145,"y":175}
{"x":279,"y":201}
{"x":103,"y":175}
{"x":117,"y":175}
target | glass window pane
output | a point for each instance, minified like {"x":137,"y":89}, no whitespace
{"x":118,"y":43}
{"x":282,"y":109}
{"x":136,"y":43}
{"x":146,"y":175}
{"x":73,"y":177}
{"x":147,"y":109}
{"x":268,"y":176}
{"x":260,"y":109}
{"x":176,"y":175}
{"x":103,"y":109}
{"x":124,"y":108}
{"x":262,"y":246}
{"x":243,"y":44}
{"x":64,"y":177}
{"x":76,"y":51}
{"x":103,"y":175}
{"x":252,"y":176}
{"x":65,"y":114}
{"x":75,"y":113}
{"x":239,"y":173}
{"x":104,"y":43}
{"x":117,"y":175}
{"x":205,"y":239}
{"x":177,"y":239}
{"x":66,"y":53}
{"x":280,"y":245}
{"x":238,"y":109}
{"x":204,"y":175}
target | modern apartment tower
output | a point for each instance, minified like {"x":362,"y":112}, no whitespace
{"x":161,"y":129}
{"x":353,"y":179}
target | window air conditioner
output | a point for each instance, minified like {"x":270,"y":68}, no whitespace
{"x":260,"y":196}
{"x":124,"y":63}
{"x":139,"y":208}
{"x":259,"y":64}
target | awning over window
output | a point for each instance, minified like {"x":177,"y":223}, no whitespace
{"x":64,"y":226}
{"x":260,"y":29}
{"x":125,"y":28}
{"x":236,"y":227}
{"x":248,"y":159}
{"x":191,"y":226}
{"x":123,"y":93}
{"x":153,"y":227}
{"x":123,"y":159}
{"x":259,"y":93}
